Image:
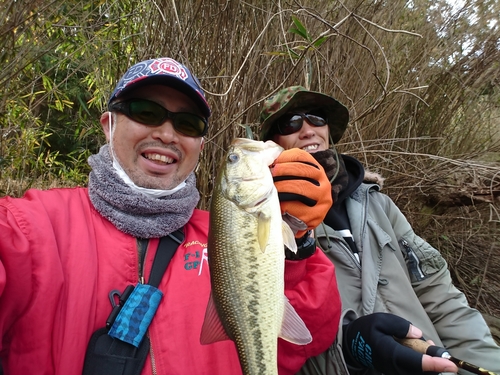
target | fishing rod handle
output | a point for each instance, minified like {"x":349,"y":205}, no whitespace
{"x":424,"y":347}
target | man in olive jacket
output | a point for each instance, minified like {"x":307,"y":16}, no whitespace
{"x":381,"y":265}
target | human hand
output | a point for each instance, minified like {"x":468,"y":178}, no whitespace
{"x":369,"y":342}
{"x":429,"y":363}
{"x":303,"y":189}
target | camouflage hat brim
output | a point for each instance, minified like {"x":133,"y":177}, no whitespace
{"x":337,"y":114}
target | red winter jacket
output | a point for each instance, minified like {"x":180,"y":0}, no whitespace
{"x":59,"y":259}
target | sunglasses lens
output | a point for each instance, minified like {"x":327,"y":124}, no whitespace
{"x":290,"y":124}
{"x":189,"y":124}
{"x":150,"y":113}
{"x":146,"y":112}
{"x":316,"y":120}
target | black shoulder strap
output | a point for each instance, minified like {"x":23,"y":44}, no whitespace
{"x":165,"y":252}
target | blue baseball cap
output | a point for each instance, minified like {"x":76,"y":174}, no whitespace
{"x":162,"y":71}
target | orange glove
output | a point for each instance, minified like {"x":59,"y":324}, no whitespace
{"x":304,"y":190}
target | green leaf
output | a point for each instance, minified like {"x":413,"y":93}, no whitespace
{"x":47,"y":83}
{"x":293,"y":54}
{"x":82,"y":104}
{"x":248,"y":132}
{"x":320,"y":41}
{"x":299,"y":29}
{"x":275,"y":53}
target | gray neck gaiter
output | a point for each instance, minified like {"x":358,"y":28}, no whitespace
{"x":133,"y":212}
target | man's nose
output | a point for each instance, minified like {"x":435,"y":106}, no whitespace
{"x":166,"y":131}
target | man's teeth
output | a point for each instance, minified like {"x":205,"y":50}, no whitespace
{"x":310,"y":148}
{"x":158,"y":157}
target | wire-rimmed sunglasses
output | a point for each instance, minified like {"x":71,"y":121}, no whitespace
{"x":292,"y":122}
{"x":153,"y":114}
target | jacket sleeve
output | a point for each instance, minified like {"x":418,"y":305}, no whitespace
{"x":461,"y":328}
{"x":311,"y":287}
{"x":332,"y":360}
{"x":15,"y":287}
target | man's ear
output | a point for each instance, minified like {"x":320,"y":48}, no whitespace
{"x":202,"y":144}
{"x":105,"y":120}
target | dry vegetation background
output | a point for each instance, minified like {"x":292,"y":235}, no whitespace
{"x":421,"y":81}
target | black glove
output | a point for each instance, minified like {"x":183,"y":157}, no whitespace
{"x":369,"y":342}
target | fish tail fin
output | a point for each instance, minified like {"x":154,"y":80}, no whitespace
{"x":293,"y":328}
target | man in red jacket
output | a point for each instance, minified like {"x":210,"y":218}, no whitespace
{"x":68,"y":255}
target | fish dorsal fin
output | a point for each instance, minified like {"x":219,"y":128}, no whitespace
{"x":263,"y":230}
{"x":288,"y":237}
{"x":212,"y":329}
{"x":293,"y":328}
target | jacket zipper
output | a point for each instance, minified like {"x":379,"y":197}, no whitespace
{"x":347,"y":249}
{"x":152,"y":354}
{"x":343,"y":244}
{"x":142,"y":259}
{"x":413,"y":260}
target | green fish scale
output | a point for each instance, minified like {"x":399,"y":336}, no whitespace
{"x":244,"y":287}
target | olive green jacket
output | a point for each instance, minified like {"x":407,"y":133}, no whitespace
{"x":402,"y":274}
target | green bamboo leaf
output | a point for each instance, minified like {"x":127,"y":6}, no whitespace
{"x":33,"y":94}
{"x":47,"y":84}
{"x":248,"y":132}
{"x":320,"y":41}
{"x":293,"y":54}
{"x":299,"y":29}
{"x":58,"y":105}
{"x":82,"y":104}
{"x":276,"y":53}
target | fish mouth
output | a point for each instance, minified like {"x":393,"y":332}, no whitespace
{"x":262,"y":199}
{"x":254,"y":178}
{"x":258,"y":203}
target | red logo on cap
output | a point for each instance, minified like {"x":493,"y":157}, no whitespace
{"x":168,"y":66}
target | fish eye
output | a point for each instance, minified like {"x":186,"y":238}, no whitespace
{"x":233,"y":158}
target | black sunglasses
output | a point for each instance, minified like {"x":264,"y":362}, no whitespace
{"x":292,"y":122}
{"x":152,"y":114}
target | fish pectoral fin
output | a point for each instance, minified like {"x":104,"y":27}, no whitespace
{"x":212,"y":329}
{"x":263,"y":230}
{"x":288,"y":237}
{"x":293,"y":328}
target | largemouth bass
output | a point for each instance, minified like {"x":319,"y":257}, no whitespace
{"x":246,"y":260}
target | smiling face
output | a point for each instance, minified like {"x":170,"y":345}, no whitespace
{"x":155,"y":157}
{"x":309,"y":138}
